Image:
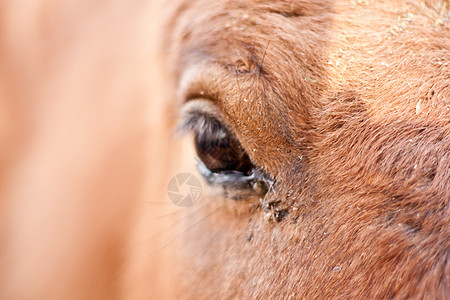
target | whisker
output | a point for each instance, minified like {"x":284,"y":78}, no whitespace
{"x":237,"y":81}
{"x":173,"y":212}
{"x":264,"y":55}
{"x":184,"y":231}
{"x":158,"y":202}
{"x":173,"y":224}
{"x":183,"y":209}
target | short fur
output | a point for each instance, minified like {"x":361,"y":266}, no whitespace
{"x":344,"y":105}
{"x":347,"y":105}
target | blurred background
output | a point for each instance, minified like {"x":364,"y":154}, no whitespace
{"x":86,"y":154}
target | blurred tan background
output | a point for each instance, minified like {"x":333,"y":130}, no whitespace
{"x":85,"y":151}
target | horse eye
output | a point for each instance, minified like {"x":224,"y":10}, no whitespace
{"x":218,"y":149}
{"x":221,"y":158}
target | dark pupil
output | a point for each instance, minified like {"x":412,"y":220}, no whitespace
{"x":218,"y":150}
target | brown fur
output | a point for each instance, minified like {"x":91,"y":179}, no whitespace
{"x":345,"y":104}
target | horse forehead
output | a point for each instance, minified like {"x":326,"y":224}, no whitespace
{"x":312,"y":56}
{"x":294,"y":64}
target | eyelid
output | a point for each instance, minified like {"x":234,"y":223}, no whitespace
{"x":197,"y":82}
{"x":256,"y":181}
{"x":194,"y":111}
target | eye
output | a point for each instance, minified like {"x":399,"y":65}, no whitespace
{"x":217,"y":148}
{"x":221,"y":158}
